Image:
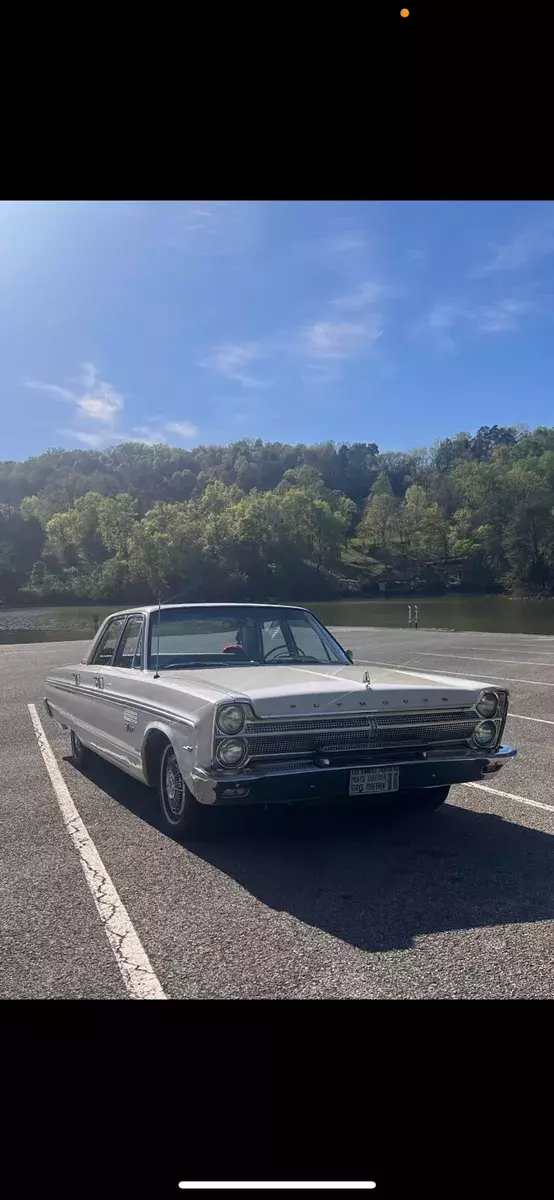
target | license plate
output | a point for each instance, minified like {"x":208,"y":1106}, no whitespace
{"x":367,"y":782}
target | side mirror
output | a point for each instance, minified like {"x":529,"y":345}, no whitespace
{"x":350,"y":655}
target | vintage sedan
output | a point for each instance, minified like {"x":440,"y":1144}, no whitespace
{"x":218,"y":704}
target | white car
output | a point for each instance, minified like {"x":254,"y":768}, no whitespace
{"x":258,"y":703}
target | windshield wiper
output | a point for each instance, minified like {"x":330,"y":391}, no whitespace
{"x":305,"y":658}
{"x":176,"y":666}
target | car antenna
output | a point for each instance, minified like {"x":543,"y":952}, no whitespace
{"x":176,"y":596}
{"x":156,"y":672}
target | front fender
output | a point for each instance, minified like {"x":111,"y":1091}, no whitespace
{"x":183,"y":746}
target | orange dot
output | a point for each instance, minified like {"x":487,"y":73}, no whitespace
{"x":404,"y":12}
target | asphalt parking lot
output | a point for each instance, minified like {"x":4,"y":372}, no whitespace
{"x":459,"y":904}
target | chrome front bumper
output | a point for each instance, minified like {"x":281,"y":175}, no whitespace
{"x":309,"y":782}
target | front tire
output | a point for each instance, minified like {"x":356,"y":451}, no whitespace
{"x":182,"y":815}
{"x":79,"y":752}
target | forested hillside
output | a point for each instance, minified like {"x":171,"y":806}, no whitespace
{"x":272,"y":521}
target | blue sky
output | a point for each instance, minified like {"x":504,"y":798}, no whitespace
{"x":207,"y":321}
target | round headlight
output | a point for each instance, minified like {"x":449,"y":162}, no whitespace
{"x":231,"y":752}
{"x":484,"y":733}
{"x":230,"y":719}
{"x":488,"y":704}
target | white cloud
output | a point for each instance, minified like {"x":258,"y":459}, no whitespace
{"x":144,"y":434}
{"x":155,"y":433}
{"x":94,"y":401}
{"x":322,"y":344}
{"x":344,"y":243}
{"x":365,"y":295}
{"x":94,"y":440}
{"x":532,"y":243}
{"x":101,"y":401}
{"x":337,"y":339}
{"x":503,"y":316}
{"x":500,"y":316}
{"x":98,"y":402}
{"x":183,"y":428}
{"x":53,"y":388}
{"x":89,"y":374}
{"x":98,"y":408}
{"x":445,"y":315}
{"x":206,"y":227}
{"x":232,"y":359}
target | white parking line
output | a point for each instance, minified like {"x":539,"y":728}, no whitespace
{"x":509,"y":796}
{"x":522,"y":662}
{"x":138,"y":975}
{"x":507,"y":649}
{"x":520,"y":717}
{"x":372,"y":662}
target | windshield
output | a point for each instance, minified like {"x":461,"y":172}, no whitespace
{"x":191,"y":638}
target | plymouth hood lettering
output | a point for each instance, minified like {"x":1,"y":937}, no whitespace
{"x":307,"y":691}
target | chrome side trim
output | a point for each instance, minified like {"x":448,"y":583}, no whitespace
{"x":100,"y":694}
{"x":80,"y":689}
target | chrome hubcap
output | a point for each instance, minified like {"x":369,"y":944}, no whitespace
{"x":174,"y":788}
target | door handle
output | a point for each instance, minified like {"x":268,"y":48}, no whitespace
{"x":98,"y":681}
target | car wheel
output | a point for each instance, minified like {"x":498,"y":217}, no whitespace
{"x":182,"y":815}
{"x":426,"y":799}
{"x":79,"y":752}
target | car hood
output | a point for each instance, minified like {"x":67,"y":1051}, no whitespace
{"x":276,"y":690}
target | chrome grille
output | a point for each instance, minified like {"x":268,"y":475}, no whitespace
{"x":412,"y":735}
{"x":357,"y":734}
{"x":271,"y":767}
{"x":359,"y":721}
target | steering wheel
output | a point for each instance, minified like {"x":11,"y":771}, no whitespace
{"x":274,"y":650}
{"x":281,"y":646}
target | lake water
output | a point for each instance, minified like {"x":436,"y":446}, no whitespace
{"x":495,"y":614}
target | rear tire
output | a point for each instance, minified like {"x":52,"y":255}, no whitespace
{"x":182,"y":815}
{"x":426,"y":799}
{"x":80,"y":753}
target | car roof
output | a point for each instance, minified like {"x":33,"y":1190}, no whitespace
{"x":149,"y":608}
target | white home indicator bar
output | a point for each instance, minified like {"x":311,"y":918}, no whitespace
{"x":273,"y":1185}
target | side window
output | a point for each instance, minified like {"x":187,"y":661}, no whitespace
{"x":130,"y":646}
{"x":104,"y":651}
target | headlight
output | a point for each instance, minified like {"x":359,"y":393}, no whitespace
{"x":484,"y":733}
{"x":232,"y":752}
{"x":230,"y":719}
{"x":488,"y":704}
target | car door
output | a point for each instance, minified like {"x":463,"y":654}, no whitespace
{"x":120,"y":724}
{"x":83,"y":684}
{"x":90,"y":680}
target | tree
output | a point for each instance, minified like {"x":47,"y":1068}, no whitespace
{"x":258,"y":519}
{"x":378,"y":527}
{"x":116,"y":521}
